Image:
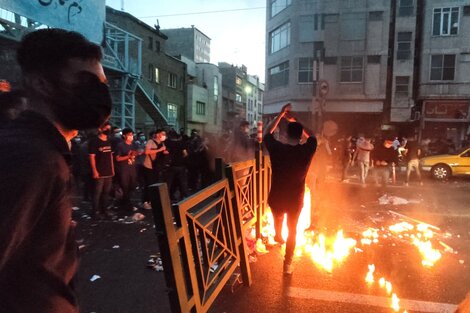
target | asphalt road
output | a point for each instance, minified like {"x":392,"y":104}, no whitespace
{"x":117,"y":251}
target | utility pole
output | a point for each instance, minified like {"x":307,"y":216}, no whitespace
{"x":319,"y":90}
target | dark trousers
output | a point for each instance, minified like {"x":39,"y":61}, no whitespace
{"x":177,"y":178}
{"x":292,"y":219}
{"x":150,"y":178}
{"x":128,"y":182}
{"x":101,"y":194}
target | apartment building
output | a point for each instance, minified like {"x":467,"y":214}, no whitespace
{"x":389,"y":64}
{"x":189,"y":42}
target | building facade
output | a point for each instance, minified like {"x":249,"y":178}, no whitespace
{"x":254,"y":99}
{"x":383,"y":61}
{"x":204,"y":96}
{"x":161,"y":91}
{"x":444,"y":85}
{"x":189,"y":42}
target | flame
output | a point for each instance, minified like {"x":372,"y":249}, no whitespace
{"x":370,"y":274}
{"x":395,"y":303}
{"x":421,"y":239}
{"x":429,"y":254}
{"x":401,"y":227}
{"x":371,"y":235}
{"x":328,"y":251}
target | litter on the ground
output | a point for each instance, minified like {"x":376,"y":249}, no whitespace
{"x":95,"y":277}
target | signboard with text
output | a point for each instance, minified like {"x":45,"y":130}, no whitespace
{"x":84,"y":16}
{"x":458,"y":110}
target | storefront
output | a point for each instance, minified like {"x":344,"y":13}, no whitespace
{"x":445,"y":119}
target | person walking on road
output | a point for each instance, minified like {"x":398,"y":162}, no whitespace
{"x":290,"y":162}
{"x":362,"y":156}
{"x":412,"y":155}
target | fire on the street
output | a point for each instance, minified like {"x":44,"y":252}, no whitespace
{"x":329,"y":251}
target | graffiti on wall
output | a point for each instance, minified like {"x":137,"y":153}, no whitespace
{"x":84,"y":16}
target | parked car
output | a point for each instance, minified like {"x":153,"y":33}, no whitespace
{"x":444,"y":166}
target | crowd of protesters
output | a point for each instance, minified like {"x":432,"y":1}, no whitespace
{"x":383,"y":158}
{"x":110,"y":165}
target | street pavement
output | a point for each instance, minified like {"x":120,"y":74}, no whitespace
{"x":117,"y":251}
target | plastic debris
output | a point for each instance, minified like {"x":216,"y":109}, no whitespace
{"x":80,"y":247}
{"x":155,"y":262}
{"x":95,"y":277}
{"x":260,"y":247}
{"x":138,"y":217}
{"x":75,"y":208}
{"x":461,"y":261}
{"x":143,"y":229}
{"x":116,"y":247}
{"x":394,"y":200}
{"x":214,"y":268}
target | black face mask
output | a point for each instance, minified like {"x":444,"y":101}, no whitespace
{"x":84,"y":105}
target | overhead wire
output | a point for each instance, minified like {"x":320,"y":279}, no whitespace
{"x":203,"y":12}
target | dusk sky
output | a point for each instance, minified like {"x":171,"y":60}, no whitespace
{"x":237,"y":30}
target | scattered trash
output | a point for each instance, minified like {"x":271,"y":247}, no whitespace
{"x":138,"y":217}
{"x":252,"y":258}
{"x":95,"y":277}
{"x":394,"y":200}
{"x":260,"y":247}
{"x":363,"y":206}
{"x":75,"y":208}
{"x":461,"y":261}
{"x":358,"y":250}
{"x":155,"y":262}
{"x":214,"y":268}
{"x":143,"y":229}
{"x":80,"y":247}
{"x":116,"y":247}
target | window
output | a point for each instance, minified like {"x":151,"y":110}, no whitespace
{"x":157,"y":75}
{"x":351,"y":69}
{"x":200,"y":108}
{"x":279,"y":5}
{"x":172,"y":79}
{"x":319,"y":21}
{"x":238,"y":97}
{"x":150,"y":43}
{"x":330,"y":60}
{"x":466,"y":10}
{"x":157,"y":45}
{"x":401,"y":86}
{"x":404,"y":45}
{"x":405,"y":8}
{"x":373,"y":59}
{"x":375,"y":16}
{"x":306,"y":70}
{"x":280,"y":37}
{"x":216,"y":88}
{"x":306,"y":31}
{"x":238,"y":81}
{"x":150,"y":73}
{"x":442,"y":67}
{"x":172,"y":113}
{"x":445,"y":21}
{"x":279,"y":75}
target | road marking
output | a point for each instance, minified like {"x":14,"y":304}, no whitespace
{"x":384,"y":302}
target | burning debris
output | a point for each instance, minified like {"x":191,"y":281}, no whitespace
{"x":329,"y":251}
